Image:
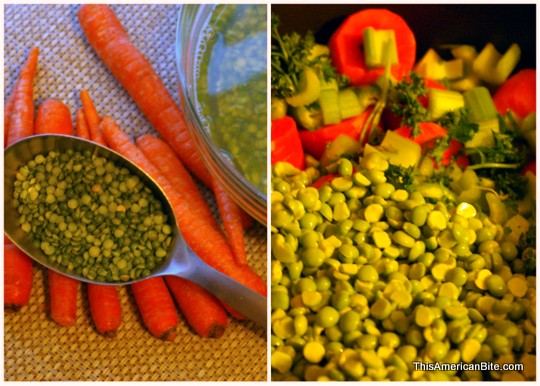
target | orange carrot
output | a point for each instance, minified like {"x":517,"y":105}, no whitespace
{"x":208,"y":243}
{"x":21,"y":119}
{"x":247,"y":220}
{"x":53,"y":117}
{"x":81,"y":127}
{"x":166,"y":160}
{"x":132,"y":69}
{"x":156,"y":307}
{"x":17,"y":278}
{"x":203,"y":311}
{"x":105,"y":308}
{"x":92,"y":118}
{"x":63,"y":292}
{"x":18,"y":275}
{"x":8,"y":108}
{"x":231,"y":215}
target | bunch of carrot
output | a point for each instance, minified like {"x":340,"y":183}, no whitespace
{"x":164,"y":159}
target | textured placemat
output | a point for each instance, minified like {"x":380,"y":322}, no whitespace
{"x":35,"y":348}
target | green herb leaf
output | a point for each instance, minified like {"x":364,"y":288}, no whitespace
{"x":405,"y":102}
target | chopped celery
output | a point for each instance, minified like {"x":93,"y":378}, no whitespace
{"x":374,"y":42}
{"x":331,"y":84}
{"x":318,"y":50}
{"x":367,"y":95}
{"x":464,"y":52}
{"x":349,"y":106}
{"x":431,"y":56}
{"x":432,"y":66}
{"x":278,"y":108}
{"x":443,"y":101}
{"x":493,"y":67}
{"x":342,"y":145}
{"x":480,"y":104}
{"x":309,"y":89}
{"x":400,"y":150}
{"x":453,"y":69}
{"x":329,"y":102}
{"x":309,"y":118}
{"x":484,"y":135}
{"x":466,"y":83}
{"x":469,"y":80}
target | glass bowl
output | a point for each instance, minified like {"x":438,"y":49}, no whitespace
{"x":222,"y":68}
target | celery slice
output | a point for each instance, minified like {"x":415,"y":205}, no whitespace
{"x":484,"y":135}
{"x":342,"y":145}
{"x":309,"y":89}
{"x":443,"y":101}
{"x":374,"y":42}
{"x":478,"y":100}
{"x":349,"y":106}
{"x":400,"y":150}
{"x":318,"y":50}
{"x":431,"y":56}
{"x":308,"y":118}
{"x":465,"y":83}
{"x":330,"y":84}
{"x":464,"y":52}
{"x":329,"y":102}
{"x":432,"y":66}
{"x":493,"y":67}
{"x":507,"y":63}
{"x":454,"y":69}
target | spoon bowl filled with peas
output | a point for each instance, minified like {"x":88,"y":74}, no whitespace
{"x":87,"y":212}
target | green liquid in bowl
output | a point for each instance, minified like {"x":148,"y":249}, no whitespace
{"x":231,"y":87}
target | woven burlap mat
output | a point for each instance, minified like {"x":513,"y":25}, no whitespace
{"x":37,"y":349}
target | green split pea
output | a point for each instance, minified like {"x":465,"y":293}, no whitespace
{"x":91,"y":217}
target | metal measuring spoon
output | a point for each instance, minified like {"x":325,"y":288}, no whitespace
{"x":180,"y":260}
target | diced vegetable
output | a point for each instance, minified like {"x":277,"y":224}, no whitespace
{"x":308,"y":117}
{"x":432,"y":66}
{"x":478,"y":100}
{"x":493,"y":67}
{"x":374,"y":47}
{"x":309,"y":89}
{"x":315,"y":142}
{"x":278,"y":108}
{"x":517,"y":94}
{"x":286,"y":144}
{"x":329,"y":103}
{"x":342,"y":145}
{"x":349,"y":106}
{"x":443,"y":101}
{"x":347,"y":41}
{"x":400,"y":150}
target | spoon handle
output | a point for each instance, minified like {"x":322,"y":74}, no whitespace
{"x":249,"y":303}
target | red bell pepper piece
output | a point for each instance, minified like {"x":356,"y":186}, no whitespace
{"x":327,"y":178}
{"x":315,"y":142}
{"x":518,"y":94}
{"x":286,"y":145}
{"x":347,"y":41}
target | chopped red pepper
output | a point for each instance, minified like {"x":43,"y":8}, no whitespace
{"x":315,"y":142}
{"x":286,"y":145}
{"x":517,"y":94}
{"x":327,"y":178}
